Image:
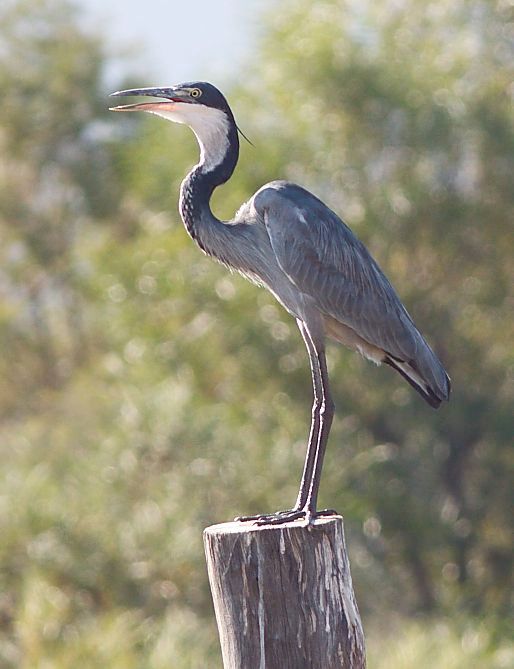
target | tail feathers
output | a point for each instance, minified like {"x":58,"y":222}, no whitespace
{"x":410,"y":372}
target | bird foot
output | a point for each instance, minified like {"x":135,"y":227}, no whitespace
{"x":281,"y":517}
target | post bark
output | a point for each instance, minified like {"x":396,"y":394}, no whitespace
{"x":283,"y":596}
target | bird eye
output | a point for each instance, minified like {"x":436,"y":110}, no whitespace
{"x":195,"y":92}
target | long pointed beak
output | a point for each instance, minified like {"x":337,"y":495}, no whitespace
{"x":170,"y":95}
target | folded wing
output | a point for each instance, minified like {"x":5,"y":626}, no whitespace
{"x":326,"y":261}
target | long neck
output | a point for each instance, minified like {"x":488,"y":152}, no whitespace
{"x":218,"y":159}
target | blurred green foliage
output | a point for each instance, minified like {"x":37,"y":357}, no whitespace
{"x":147,"y":393}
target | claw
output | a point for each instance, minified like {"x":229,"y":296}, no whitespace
{"x":260,"y":516}
{"x":277,"y":518}
{"x":327,"y":512}
{"x":281,"y":517}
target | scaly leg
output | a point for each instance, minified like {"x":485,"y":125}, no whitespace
{"x":322,"y":414}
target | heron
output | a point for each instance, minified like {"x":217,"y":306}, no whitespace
{"x":287,"y":240}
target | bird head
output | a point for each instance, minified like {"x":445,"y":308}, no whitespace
{"x":199,"y":105}
{"x":182,"y":103}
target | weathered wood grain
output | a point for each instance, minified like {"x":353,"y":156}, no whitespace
{"x":283,"y":596}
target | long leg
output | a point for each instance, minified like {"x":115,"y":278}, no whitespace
{"x":315,"y":422}
{"x":326,"y":416}
{"x":322,"y":415}
{"x":312,"y":445}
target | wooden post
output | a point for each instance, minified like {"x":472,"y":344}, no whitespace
{"x":283,"y":596}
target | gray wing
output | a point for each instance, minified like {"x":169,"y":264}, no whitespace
{"x":326,"y":261}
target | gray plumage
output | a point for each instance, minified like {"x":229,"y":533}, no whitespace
{"x":287,"y":240}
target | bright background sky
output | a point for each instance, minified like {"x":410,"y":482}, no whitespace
{"x":178,"y":41}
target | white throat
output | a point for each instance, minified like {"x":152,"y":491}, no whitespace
{"x":211,"y":127}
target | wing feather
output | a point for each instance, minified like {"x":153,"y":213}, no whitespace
{"x":324,"y":259}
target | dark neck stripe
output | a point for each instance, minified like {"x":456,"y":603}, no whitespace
{"x":197,"y":189}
